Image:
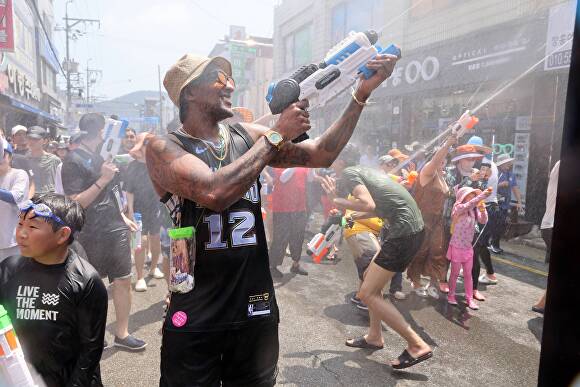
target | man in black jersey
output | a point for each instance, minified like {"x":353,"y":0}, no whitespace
{"x":225,"y":331}
{"x":55,"y":299}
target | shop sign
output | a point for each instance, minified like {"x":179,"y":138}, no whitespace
{"x":239,"y":56}
{"x":559,"y":36}
{"x":6,"y":26}
{"x":424,"y":70}
{"x":21,"y":84}
{"x":500,"y":53}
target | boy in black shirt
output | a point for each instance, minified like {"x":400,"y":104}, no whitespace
{"x":55,"y":299}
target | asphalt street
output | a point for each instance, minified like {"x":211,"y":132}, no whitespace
{"x":497,"y":345}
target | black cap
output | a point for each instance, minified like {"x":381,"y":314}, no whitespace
{"x":36,"y":132}
{"x":77,"y":137}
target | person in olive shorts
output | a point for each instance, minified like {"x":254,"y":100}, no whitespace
{"x":376,"y":195}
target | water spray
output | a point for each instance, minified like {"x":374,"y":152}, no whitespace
{"x":453,"y":128}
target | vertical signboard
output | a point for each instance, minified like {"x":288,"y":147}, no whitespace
{"x":6,"y":26}
{"x":559,"y":36}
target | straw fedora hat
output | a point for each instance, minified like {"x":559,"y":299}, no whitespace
{"x":503,"y":159}
{"x":466,"y":151}
{"x":188,"y":68}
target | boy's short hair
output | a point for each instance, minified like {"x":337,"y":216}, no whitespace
{"x":68,"y":210}
{"x":92,"y":123}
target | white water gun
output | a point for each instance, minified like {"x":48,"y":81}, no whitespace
{"x":321,"y":244}
{"x":466,"y":122}
{"x":341,"y":67}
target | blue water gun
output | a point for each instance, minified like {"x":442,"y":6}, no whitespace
{"x":341,"y":67}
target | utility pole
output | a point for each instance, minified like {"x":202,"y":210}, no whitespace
{"x":88,"y":84}
{"x":69,"y":24}
{"x":89,"y":75}
{"x":161,"y":129}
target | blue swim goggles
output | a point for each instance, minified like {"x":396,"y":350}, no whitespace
{"x":41,"y":210}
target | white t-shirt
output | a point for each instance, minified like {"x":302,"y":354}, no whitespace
{"x":58,"y":188}
{"x":548,"y":219}
{"x":492,"y":182}
{"x":15,"y":181}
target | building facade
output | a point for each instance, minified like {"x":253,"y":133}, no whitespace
{"x":28,"y":89}
{"x":252,"y":66}
{"x":456,"y":54}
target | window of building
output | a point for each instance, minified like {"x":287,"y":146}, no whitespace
{"x":421,"y":8}
{"x":359,"y":15}
{"x":298,"y":48}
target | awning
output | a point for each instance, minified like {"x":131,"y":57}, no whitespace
{"x":31,"y":109}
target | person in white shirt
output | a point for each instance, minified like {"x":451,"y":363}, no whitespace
{"x":13,"y":192}
{"x":547,"y":225}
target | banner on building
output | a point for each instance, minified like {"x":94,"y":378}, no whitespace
{"x":559,"y":36}
{"x":496,"y":54}
{"x":6,"y":26}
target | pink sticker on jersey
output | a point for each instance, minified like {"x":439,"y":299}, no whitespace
{"x":179,"y":319}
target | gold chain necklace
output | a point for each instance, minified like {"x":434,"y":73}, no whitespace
{"x":209,"y":144}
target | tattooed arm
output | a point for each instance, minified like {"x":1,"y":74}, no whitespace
{"x":174,"y":170}
{"x":322,"y":151}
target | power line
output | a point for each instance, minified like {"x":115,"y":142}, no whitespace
{"x":37,"y":13}
{"x":209,"y":13}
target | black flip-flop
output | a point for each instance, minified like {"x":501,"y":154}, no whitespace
{"x":360,"y":342}
{"x":406,"y":360}
{"x":538,"y":310}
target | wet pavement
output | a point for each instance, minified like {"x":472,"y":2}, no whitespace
{"x":497,"y":345}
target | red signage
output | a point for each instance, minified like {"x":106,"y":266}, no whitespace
{"x":6,"y":26}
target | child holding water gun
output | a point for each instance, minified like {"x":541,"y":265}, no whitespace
{"x":468,"y":210}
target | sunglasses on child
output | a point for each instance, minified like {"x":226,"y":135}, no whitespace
{"x":41,"y":210}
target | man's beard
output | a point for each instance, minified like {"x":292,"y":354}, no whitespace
{"x":217,"y":112}
{"x":220,"y":113}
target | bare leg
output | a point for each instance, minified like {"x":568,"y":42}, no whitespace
{"x":375,"y":335}
{"x":165,"y":269}
{"x":155,"y":248}
{"x":542,"y":301}
{"x":371,"y":294}
{"x":122,"y":302}
{"x":140,"y":258}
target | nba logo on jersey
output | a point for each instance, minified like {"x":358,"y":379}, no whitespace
{"x":250,"y":310}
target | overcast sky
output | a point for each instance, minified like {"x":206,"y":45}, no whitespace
{"x":137,"y":35}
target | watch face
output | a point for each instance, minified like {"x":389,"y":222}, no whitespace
{"x":276,"y":137}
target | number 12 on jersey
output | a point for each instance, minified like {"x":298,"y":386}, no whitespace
{"x":242,"y":234}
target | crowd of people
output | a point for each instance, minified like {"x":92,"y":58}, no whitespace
{"x":433,"y":182}
{"x":70,"y":219}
